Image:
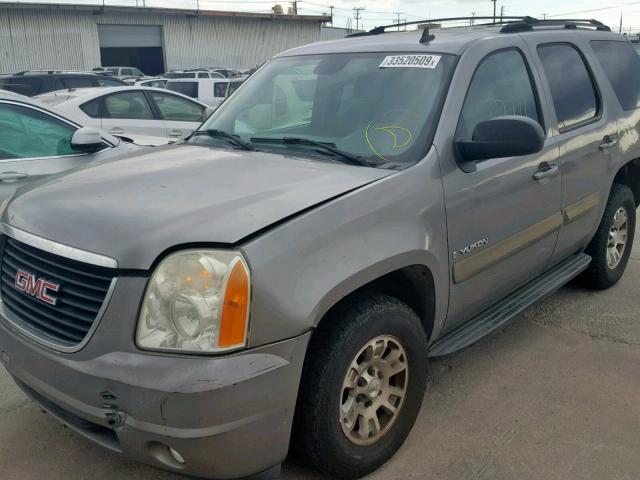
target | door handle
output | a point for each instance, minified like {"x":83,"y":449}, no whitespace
{"x":545,"y":171}
{"x":175,"y":133}
{"x":10,"y":177}
{"x":608,"y":141}
{"x":116,"y":131}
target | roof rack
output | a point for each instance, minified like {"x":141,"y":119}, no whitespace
{"x":509,"y":24}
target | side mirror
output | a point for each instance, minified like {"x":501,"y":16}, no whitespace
{"x":507,"y":136}
{"x":87,"y":140}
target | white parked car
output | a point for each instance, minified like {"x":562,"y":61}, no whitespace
{"x":123,"y":72}
{"x":174,"y":74}
{"x":209,"y":91}
{"x":131,"y":111}
{"x":36,"y":141}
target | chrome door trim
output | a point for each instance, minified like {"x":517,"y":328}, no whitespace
{"x":58,"y":248}
{"x":484,"y":259}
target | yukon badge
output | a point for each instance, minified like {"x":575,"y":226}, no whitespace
{"x":470,"y":248}
{"x":36,"y":287}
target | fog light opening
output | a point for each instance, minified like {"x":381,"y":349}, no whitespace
{"x":176,"y":456}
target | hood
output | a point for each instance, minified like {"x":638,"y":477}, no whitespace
{"x":135,"y":208}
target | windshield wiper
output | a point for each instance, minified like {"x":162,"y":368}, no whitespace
{"x":215,"y":133}
{"x":325,"y":146}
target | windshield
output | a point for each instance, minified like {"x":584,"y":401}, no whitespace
{"x":363,"y":104}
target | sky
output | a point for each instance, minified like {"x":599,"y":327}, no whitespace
{"x":381,"y":12}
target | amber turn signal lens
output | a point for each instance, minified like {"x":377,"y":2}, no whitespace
{"x":235,"y":314}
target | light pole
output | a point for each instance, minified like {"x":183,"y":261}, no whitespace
{"x":494,"y":10}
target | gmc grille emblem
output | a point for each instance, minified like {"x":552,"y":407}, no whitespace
{"x":36,"y":287}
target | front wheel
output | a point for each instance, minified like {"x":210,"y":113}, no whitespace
{"x":611,"y":246}
{"x":362,"y":386}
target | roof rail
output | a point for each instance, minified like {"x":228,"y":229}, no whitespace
{"x":511,"y":24}
{"x":568,"y":23}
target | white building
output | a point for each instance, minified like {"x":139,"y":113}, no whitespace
{"x":80,"y":37}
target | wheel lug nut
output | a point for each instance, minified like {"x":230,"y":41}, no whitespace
{"x":362,"y":382}
{"x":371,"y":371}
{"x":380,"y":375}
{"x":361,"y":398}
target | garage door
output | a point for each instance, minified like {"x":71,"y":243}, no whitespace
{"x":132,"y":45}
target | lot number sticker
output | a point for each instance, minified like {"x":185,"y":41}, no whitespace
{"x":411,"y":61}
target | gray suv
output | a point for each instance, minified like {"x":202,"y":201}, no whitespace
{"x":280,"y":279}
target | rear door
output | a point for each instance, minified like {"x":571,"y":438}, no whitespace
{"x":585,"y":131}
{"x":130,"y":113}
{"x":503,"y":218}
{"x":180,"y":115}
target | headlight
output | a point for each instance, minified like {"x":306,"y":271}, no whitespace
{"x":196,"y":301}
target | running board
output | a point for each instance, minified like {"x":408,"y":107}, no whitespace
{"x":510,"y":307}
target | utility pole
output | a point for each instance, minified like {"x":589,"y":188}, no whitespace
{"x":331,"y":7}
{"x":357,"y":16}
{"x":294,"y":7}
{"x":501,"y":13}
{"x":494,"y":10}
{"x":544,"y":16}
{"x":473,"y":16}
{"x":620,"y":29}
{"x":397,"y":14}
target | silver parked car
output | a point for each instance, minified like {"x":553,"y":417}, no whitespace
{"x":281,"y":278}
{"x":36,"y":141}
{"x":132,"y":111}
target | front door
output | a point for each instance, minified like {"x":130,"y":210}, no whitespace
{"x":503,"y":218}
{"x":33,"y":144}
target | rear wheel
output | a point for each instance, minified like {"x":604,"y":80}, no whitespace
{"x":362,"y":386}
{"x":611,"y":246}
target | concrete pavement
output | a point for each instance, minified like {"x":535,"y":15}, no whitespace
{"x":555,"y":395}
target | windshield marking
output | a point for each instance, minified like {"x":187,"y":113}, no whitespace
{"x":389,"y":129}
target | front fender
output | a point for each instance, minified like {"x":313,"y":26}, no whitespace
{"x":302,"y":268}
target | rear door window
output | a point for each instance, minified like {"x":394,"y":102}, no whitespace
{"x":190,"y":89}
{"x":92,"y":108}
{"x":621,"y":64}
{"x":574,"y":95}
{"x":132,"y":105}
{"x":172,"y":107}
{"x":501,"y":86}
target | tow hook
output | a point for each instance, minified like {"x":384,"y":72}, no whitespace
{"x":114,"y":416}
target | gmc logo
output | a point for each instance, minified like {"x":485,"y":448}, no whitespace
{"x":36,"y":287}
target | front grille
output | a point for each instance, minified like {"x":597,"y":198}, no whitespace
{"x":82,"y":291}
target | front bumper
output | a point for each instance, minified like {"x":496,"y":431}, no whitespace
{"x":228,"y":417}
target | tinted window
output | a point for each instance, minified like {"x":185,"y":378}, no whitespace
{"x":233,"y":86}
{"x":127,"y":105}
{"x":92,"y":108}
{"x":23,"y":85}
{"x":203,"y":75}
{"x":79,"y":82}
{"x":620,"y":62}
{"x":135,"y":71}
{"x":28,"y":133}
{"x":500,"y":86}
{"x":190,"y":89}
{"x":176,"y":108}
{"x":220,"y":89}
{"x":572,"y":90}
{"x":109,"y":82}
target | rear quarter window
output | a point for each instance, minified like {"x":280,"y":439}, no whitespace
{"x":621,"y":64}
{"x":92,"y":108}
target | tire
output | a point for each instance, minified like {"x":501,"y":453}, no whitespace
{"x":603,"y":272}
{"x":322,"y":437}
